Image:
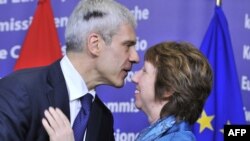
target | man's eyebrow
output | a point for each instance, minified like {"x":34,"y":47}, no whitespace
{"x":129,"y":42}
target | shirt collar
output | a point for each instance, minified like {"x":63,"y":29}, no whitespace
{"x":75,"y":83}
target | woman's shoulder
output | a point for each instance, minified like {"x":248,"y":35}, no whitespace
{"x":179,"y":132}
{"x":178,"y":136}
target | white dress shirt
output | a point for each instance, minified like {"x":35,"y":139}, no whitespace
{"x":76,"y":87}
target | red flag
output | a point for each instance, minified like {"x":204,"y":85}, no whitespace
{"x":41,"y":45}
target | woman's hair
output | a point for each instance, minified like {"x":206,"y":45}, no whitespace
{"x":103,"y":17}
{"x":184,"y":72}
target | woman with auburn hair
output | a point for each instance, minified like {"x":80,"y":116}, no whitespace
{"x":171,"y":89}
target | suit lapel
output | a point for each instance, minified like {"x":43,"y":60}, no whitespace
{"x":58,"y":94}
{"x":94,"y":122}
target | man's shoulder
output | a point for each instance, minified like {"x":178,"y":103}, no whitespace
{"x":23,"y":74}
{"x":28,"y":75}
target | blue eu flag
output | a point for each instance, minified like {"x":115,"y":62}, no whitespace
{"x":224,"y":105}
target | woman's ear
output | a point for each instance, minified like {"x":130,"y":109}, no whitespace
{"x":94,"y":44}
{"x":167,"y":95}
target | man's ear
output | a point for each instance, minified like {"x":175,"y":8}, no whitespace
{"x":94,"y":44}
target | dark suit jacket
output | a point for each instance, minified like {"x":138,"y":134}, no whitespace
{"x":25,"y":94}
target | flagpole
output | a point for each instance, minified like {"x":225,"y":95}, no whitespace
{"x":218,"y":2}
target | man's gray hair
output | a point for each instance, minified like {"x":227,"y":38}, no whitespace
{"x":100,"y":16}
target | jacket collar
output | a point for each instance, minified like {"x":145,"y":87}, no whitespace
{"x":58,"y":94}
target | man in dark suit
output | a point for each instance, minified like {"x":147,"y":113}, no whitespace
{"x":100,"y":38}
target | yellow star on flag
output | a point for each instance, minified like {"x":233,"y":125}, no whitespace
{"x":205,"y":121}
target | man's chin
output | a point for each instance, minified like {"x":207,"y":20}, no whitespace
{"x":119,"y":84}
{"x":137,"y":106}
